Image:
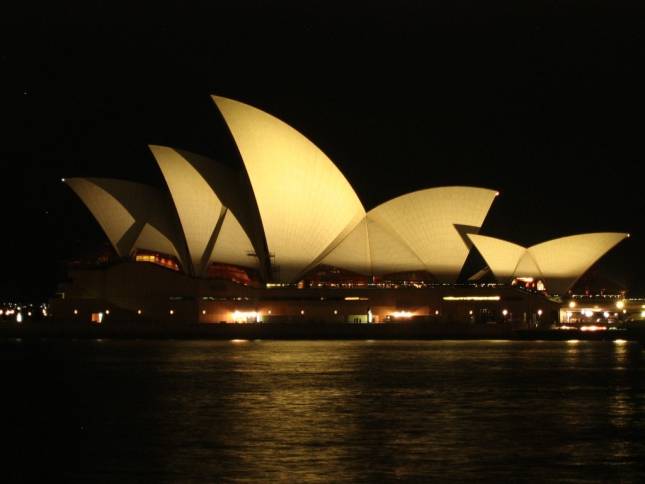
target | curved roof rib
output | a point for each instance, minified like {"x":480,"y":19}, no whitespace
{"x":232,"y":245}
{"x":132,"y":215}
{"x":304,"y":201}
{"x":501,"y":256}
{"x":528,"y":267}
{"x":109,"y":212}
{"x":371,"y":249}
{"x":198,"y":207}
{"x":205,"y":194}
{"x":433,"y":224}
{"x":353,"y":252}
{"x":389,"y":254}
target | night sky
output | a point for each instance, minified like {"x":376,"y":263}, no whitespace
{"x":542,"y":101}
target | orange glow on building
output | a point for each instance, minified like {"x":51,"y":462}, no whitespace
{"x":229,"y":272}
{"x":402,"y":314}
{"x":162,"y":260}
{"x":244,"y":316}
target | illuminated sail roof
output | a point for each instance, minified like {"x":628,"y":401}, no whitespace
{"x":564,"y":260}
{"x":304,"y":201}
{"x":559,"y":262}
{"x":433,"y":224}
{"x":419,"y":231}
{"x":132,"y":215}
{"x":501,"y":256}
{"x":371,"y":249}
{"x":291,"y":210}
{"x":212,"y":231}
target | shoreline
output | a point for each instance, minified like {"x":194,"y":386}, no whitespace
{"x":311,"y":331}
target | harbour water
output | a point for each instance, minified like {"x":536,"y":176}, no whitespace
{"x":322,"y":411}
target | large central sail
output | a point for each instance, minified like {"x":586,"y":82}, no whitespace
{"x":304,"y":200}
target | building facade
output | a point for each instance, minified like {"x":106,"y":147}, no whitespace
{"x":288,"y":239}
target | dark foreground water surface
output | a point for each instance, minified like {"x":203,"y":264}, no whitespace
{"x":329,"y":411}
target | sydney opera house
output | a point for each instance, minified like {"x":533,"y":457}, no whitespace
{"x":286,"y":238}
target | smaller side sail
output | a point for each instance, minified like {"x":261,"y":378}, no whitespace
{"x":132,"y":215}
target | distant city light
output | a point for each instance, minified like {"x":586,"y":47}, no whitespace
{"x":592,"y":328}
{"x":505,"y":312}
{"x":572,"y":304}
{"x":401,"y":314}
{"x":244,"y":316}
{"x":19,"y":318}
{"x":620,"y":304}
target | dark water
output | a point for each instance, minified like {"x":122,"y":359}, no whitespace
{"x":358,"y":411}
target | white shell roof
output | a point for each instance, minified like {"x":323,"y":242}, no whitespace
{"x":212,"y":231}
{"x":427,"y":222}
{"x":132,"y":215}
{"x":296,"y":210}
{"x":304,"y":201}
{"x":559,"y":262}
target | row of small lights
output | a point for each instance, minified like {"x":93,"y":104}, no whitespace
{"x":505,"y":312}
{"x":589,"y":312}
{"x":388,"y":285}
{"x":395,"y":314}
{"x":618,"y":341}
{"x":171,"y":312}
{"x":18,"y":313}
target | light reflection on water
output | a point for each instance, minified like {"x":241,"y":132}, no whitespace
{"x":337,"y":411}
